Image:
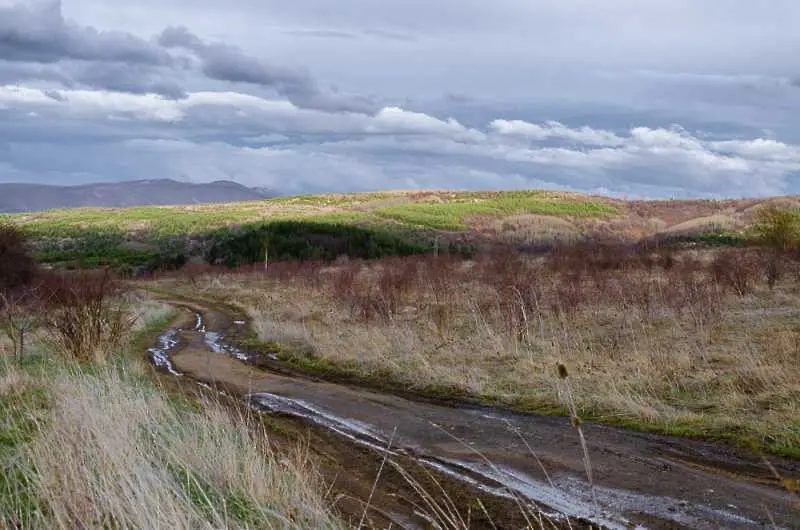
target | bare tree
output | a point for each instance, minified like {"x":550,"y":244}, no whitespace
{"x":18,"y":312}
{"x":18,"y":298}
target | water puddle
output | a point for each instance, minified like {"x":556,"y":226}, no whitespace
{"x":160,"y":354}
{"x":353,"y":430}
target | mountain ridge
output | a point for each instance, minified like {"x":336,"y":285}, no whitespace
{"x":16,"y":197}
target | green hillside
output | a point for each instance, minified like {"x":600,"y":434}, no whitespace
{"x":367,"y":225}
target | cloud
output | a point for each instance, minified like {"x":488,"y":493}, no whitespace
{"x":322,"y":33}
{"x":212,"y":135}
{"x":563,"y":94}
{"x":130,"y":78}
{"x":42,"y":35}
{"x":759,"y":149}
{"x":555,"y":130}
{"x":225,"y":62}
{"x":48,"y":47}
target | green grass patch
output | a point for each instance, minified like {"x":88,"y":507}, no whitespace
{"x":152,"y":238}
{"x":21,"y":415}
{"x":210,"y":500}
{"x":708,"y":239}
{"x":157,"y":221}
{"x":452,"y":215}
{"x":332,"y":199}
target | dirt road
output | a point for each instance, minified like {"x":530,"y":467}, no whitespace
{"x":639,"y":480}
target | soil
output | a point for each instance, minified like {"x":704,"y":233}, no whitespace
{"x":488,"y":462}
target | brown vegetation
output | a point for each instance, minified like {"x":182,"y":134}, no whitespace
{"x":84,"y":311}
{"x":103,"y":447}
{"x":86,"y":314}
{"x":691,"y":343}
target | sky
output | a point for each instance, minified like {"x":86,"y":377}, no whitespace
{"x":663,"y":98}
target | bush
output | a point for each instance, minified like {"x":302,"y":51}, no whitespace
{"x":776,"y":227}
{"x":17,"y":266}
{"x":303,"y":240}
{"x":86,"y":314}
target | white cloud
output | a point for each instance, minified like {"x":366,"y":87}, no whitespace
{"x":259,"y":141}
{"x":760,"y":148}
{"x":555,"y":130}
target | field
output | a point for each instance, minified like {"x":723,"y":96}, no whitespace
{"x":596,"y":319}
{"x":693,"y":344}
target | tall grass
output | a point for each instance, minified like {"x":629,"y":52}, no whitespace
{"x":108,"y":450}
{"x":87,"y":440}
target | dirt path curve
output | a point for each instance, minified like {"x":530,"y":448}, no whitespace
{"x":641,"y":480}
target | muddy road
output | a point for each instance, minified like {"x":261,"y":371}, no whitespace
{"x":505,"y":459}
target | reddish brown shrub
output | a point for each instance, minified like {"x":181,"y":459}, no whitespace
{"x":736,"y":270}
{"x":85,"y":313}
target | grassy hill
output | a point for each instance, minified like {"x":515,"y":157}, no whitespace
{"x":366,"y":225}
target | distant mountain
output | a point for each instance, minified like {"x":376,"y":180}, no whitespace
{"x":20,"y":197}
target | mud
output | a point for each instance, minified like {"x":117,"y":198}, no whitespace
{"x":640,"y":480}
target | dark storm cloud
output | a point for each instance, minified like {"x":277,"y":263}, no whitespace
{"x":39,"y":44}
{"x":131,"y":78}
{"x":13,"y":72}
{"x":225,"y":62}
{"x":113,"y":76}
{"x":46,"y":46}
{"x":42,"y":35}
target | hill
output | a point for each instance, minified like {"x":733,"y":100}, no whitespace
{"x":20,"y":197}
{"x":371,"y":225}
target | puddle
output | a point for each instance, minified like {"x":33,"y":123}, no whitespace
{"x":214,"y":341}
{"x":351,"y":429}
{"x":160,"y":354}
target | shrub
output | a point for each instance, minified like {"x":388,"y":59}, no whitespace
{"x":736,"y":270}
{"x":19,"y":312}
{"x":86,"y":314}
{"x":304,"y":240}
{"x":776,"y":227}
{"x":17,"y":266}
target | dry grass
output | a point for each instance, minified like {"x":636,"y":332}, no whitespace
{"x":698,"y":346}
{"x":711,"y":223}
{"x":528,"y":229}
{"x":144,"y":311}
{"x":13,"y":380}
{"x":113,"y":452}
{"x":88,"y":446}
